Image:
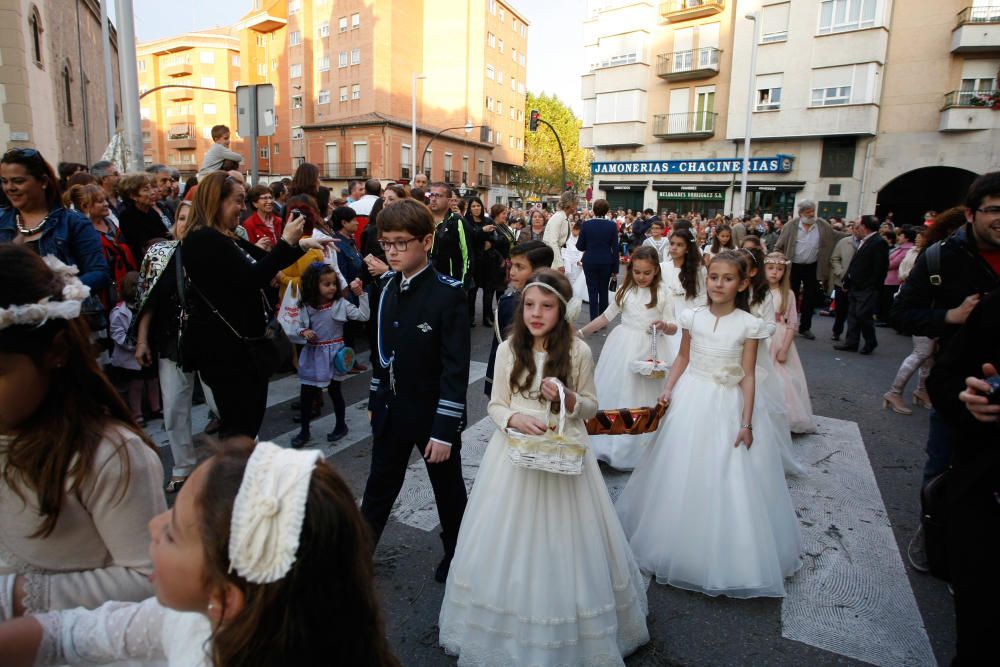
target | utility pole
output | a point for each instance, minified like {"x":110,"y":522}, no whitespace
{"x":109,"y":84}
{"x":534,"y":120}
{"x":128,"y":71}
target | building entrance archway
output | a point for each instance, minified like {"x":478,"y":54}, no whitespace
{"x":910,"y":195}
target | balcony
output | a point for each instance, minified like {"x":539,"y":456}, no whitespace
{"x":182,"y":143}
{"x":180,"y":94}
{"x":969,"y":110}
{"x":686,"y":65}
{"x":678,"y":126}
{"x":450,"y":175}
{"x":404,"y":173}
{"x":978,"y":30}
{"x":178,"y":69}
{"x":483,"y":180}
{"x":344,"y":170}
{"x":625,"y":133}
{"x":684,"y":10}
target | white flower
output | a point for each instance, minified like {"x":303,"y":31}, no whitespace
{"x":729,"y":376}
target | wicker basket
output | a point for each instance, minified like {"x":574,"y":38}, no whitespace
{"x":653,"y":368}
{"x":551,"y":452}
{"x":626,"y":421}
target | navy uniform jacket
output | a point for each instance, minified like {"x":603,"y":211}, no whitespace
{"x":423,"y":334}
{"x":598,"y":240}
{"x":506,"y":305}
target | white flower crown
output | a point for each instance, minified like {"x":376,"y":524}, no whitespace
{"x":40,"y":312}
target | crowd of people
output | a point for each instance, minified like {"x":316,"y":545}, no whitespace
{"x":123,"y":294}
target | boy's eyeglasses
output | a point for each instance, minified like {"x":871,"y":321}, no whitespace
{"x":400,"y":245}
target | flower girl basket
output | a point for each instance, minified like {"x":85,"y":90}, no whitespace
{"x":626,"y":421}
{"x":653,"y":368}
{"x":550,"y":452}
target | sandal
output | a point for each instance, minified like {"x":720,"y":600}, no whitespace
{"x":175,"y":484}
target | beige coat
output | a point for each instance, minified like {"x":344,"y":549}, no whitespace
{"x":827,"y":239}
{"x":840,"y":259}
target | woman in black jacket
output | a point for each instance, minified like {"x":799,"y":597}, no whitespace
{"x":487,"y":263}
{"x":225,"y":336}
{"x":139,"y":222}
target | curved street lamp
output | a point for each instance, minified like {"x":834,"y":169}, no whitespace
{"x":468,"y":127}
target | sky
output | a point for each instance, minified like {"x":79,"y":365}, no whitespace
{"x":555,"y":37}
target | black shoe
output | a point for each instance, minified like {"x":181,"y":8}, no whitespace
{"x":337,"y":433}
{"x":835,"y":337}
{"x":301,"y":439}
{"x":868,"y":349}
{"x":846,"y":347}
{"x":472,"y":325}
{"x":441,"y":573}
{"x":808,"y":335}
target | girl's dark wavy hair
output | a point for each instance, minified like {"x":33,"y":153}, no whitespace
{"x":648,"y":254}
{"x":692,"y":264}
{"x":53,"y":453}
{"x":740,"y":261}
{"x":325,"y":610}
{"x":716,"y":246}
{"x":309,"y":289}
{"x":758,"y":279}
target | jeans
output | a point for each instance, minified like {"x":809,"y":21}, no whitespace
{"x":598,"y":279}
{"x":939,"y":439}
{"x":805,"y":284}
{"x":920,"y":359}
{"x":177,"y":388}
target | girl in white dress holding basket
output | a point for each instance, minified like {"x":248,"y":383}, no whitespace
{"x":542,"y":574}
{"x":633,"y":363}
{"x":707,"y":508}
{"x":684,"y":279}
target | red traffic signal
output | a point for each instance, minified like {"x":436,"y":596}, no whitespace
{"x":533,"y":120}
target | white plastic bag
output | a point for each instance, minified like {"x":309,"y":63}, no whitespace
{"x":290,"y":315}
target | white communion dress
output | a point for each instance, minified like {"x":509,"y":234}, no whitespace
{"x":574,"y":272}
{"x":800,"y":414}
{"x":617,"y":385}
{"x":144,"y":633}
{"x":702,"y":514}
{"x":542,"y":574}
{"x":672,"y":283}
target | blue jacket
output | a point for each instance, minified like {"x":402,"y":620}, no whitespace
{"x":598,"y":240}
{"x":71,"y":237}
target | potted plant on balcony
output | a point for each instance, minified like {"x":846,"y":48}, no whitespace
{"x":990,"y":98}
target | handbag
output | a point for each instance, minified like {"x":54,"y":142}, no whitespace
{"x":613,"y":285}
{"x":550,"y":452}
{"x":651,"y":367}
{"x":626,"y":421}
{"x":290,"y":315}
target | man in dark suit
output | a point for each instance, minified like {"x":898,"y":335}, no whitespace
{"x":863,"y":280}
{"x":598,"y":240}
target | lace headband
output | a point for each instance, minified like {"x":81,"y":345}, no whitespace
{"x":268,"y":512}
{"x":572,"y":306}
{"x":775,"y":260}
{"x":67,"y":308}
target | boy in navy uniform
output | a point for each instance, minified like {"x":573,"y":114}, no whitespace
{"x":420,"y":376}
{"x":525,"y":259}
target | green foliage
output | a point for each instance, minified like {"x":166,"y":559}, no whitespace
{"x":541,"y":174}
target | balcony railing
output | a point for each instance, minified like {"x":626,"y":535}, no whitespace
{"x":690,"y":64}
{"x":465,"y":177}
{"x":483,"y":180}
{"x":682,"y":10}
{"x":336,"y":170}
{"x":969,"y":98}
{"x":697,"y":125}
{"x":404,"y":173}
{"x":178,"y":69}
{"x":990,"y":14}
{"x":182,"y":143}
{"x":450,"y":175}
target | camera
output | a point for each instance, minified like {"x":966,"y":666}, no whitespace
{"x":994,"y":393}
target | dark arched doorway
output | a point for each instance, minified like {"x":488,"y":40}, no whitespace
{"x":910,"y":195}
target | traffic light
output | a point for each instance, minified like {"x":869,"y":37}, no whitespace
{"x":533,"y":121}
{"x":569,"y":185}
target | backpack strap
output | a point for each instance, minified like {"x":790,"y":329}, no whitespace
{"x":933,"y":255}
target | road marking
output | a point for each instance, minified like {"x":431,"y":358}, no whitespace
{"x":852,"y":596}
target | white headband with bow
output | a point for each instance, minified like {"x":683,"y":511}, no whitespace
{"x":572,"y":306}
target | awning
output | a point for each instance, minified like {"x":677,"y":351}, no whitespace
{"x":787,"y":186}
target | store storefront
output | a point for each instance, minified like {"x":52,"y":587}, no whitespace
{"x":773,"y":198}
{"x":707,"y":199}
{"x":624,"y":194}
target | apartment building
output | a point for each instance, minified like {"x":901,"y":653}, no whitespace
{"x":53,"y":87}
{"x":355,"y":67}
{"x":202,"y":69}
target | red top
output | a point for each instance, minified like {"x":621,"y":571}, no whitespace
{"x":992,"y":258}
{"x":256,"y":229}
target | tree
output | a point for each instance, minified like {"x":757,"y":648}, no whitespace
{"x":541,"y":174}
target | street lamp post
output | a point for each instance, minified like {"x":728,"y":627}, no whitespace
{"x":413,"y":129}
{"x":754,"y":16}
{"x":468,"y":127}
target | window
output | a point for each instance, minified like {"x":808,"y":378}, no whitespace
{"x":520,"y":88}
{"x":465,"y":168}
{"x":520,"y":59}
{"x":768,"y":92}
{"x":343,"y":93}
{"x":499,"y":108}
{"x":260,"y":41}
{"x":295,"y":70}
{"x":296,"y":101}
{"x":841,"y":15}
{"x":826,"y":97}
{"x":491,"y":73}
{"x":208,"y":109}
{"x":520,"y":115}
{"x":141,"y":64}
{"x":482,"y":167}
{"x":295,"y":38}
{"x":206,"y":57}
{"x":447,"y":163}
{"x":261,"y":69}
{"x":513,"y":113}
{"x":144,"y":113}
{"x":35,"y":24}
{"x":356,"y":91}
{"x":500,"y":46}
{"x":297,"y":133}
{"x":355,"y":21}
{"x":147,"y":137}
{"x":493,"y":7}
{"x":513,"y":55}
{"x":274,"y":148}
{"x":838,"y":157}
{"x":489,"y":103}
{"x":491,"y":40}
{"x":235,"y":61}
{"x":513,"y":83}
{"x":206,"y":132}
{"x":970,"y":88}
{"x":208,"y":82}
{"x":342,"y":61}
{"x":324,"y":63}
{"x":620,"y":107}
{"x":68,"y":93}
{"x":236,"y":84}
{"x":294,"y":6}
{"x":405,"y":160}
{"x":323,"y":97}
{"x":503,"y":15}
{"x":355,"y":56}
{"x":499,"y":138}
{"x":500,"y":77}
{"x":520,"y":143}
{"x":626,"y":49}
{"x":852,"y":84}
{"x":360,"y":158}
{"x":510,"y":142}
{"x":324,"y":29}
{"x":774,"y":23}
{"x":513,"y":24}
{"x":428,"y":163}
{"x":342,"y":24}
{"x":274,"y":63}
{"x":264,"y":153}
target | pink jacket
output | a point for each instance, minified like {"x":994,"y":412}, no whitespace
{"x":896,"y":256}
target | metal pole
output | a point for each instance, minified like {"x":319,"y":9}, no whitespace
{"x":561,"y":153}
{"x":749,"y":120}
{"x":254,"y":129}
{"x":109,"y":84}
{"x":131,"y":120}
{"x":413,"y":131}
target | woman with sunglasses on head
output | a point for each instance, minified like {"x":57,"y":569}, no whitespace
{"x":36,"y":217}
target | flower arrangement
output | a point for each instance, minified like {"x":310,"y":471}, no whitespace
{"x":990,"y":98}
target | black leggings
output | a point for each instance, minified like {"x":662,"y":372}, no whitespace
{"x":308,"y":396}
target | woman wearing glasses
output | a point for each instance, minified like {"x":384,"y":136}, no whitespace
{"x":36,"y":217}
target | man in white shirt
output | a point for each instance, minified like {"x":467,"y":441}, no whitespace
{"x":557,"y":228}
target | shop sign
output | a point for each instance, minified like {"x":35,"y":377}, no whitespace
{"x":779,"y":164}
{"x":716,"y":195}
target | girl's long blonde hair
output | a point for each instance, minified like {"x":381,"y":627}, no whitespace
{"x":785,"y":286}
